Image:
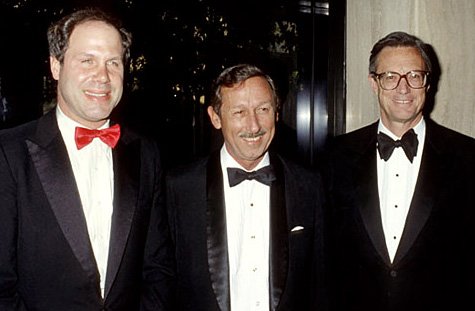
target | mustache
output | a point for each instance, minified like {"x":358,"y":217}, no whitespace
{"x":252,"y":135}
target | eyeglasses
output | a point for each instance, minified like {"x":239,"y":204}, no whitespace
{"x":389,"y":80}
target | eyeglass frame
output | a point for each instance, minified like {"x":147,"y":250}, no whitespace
{"x":378,"y":75}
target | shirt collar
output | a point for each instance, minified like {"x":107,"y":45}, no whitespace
{"x":419,"y":129}
{"x":67,"y":126}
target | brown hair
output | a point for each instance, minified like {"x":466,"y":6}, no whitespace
{"x":60,"y":31}
{"x":400,"y":39}
{"x":237,"y":74}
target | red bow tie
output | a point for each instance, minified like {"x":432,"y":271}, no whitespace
{"x":109,"y":136}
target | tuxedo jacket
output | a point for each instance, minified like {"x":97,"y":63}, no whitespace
{"x":196,"y":204}
{"x":433,"y":268}
{"x":46,"y":258}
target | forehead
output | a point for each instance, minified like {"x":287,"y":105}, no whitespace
{"x":399,"y":59}
{"x":95,"y":32}
{"x":253,"y":90}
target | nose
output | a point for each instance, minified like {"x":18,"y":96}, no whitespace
{"x":102,"y":74}
{"x":403,"y":86}
{"x":253,"y":123}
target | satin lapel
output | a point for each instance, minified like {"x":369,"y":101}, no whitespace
{"x":216,"y":233}
{"x":279,"y":243}
{"x":367,"y":198}
{"x":50,"y":157}
{"x":126,"y":184}
{"x":422,"y":201}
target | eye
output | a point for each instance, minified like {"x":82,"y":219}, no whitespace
{"x":390,"y":76}
{"x":415,"y":76}
{"x":87,"y":61}
{"x":114,"y":63}
{"x":263,"y":109}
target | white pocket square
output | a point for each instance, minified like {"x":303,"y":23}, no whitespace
{"x":296,"y":228}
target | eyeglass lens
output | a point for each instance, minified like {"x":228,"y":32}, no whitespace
{"x":390,"y":80}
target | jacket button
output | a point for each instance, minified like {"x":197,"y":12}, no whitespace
{"x":393,"y":273}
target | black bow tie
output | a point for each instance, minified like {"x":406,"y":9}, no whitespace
{"x":264,"y":175}
{"x":408,"y":142}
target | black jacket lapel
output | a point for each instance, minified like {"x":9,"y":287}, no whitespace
{"x":49,"y":155}
{"x":279,"y":243}
{"x":216,"y":233}
{"x":368,"y":195}
{"x":425,"y":191}
{"x":126,"y":157}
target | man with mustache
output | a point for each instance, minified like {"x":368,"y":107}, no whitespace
{"x":82,"y":224}
{"x":246,"y":223}
{"x":402,"y":196}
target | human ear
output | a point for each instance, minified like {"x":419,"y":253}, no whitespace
{"x":373,"y":83}
{"x":214,"y":117}
{"x":55,"y":67}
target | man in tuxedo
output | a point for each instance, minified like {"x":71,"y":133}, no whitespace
{"x":246,"y":222}
{"x":81,"y":227}
{"x":402,"y":197}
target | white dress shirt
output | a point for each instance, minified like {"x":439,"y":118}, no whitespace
{"x":247,"y":219}
{"x":397,"y":179}
{"x":93,"y":171}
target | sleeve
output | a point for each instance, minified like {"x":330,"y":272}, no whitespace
{"x":159,"y":264}
{"x":9,"y":297}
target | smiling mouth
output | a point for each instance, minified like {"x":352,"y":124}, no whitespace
{"x":402,"y":101}
{"x":252,"y":137}
{"x":88,"y":93}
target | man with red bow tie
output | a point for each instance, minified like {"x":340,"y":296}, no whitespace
{"x":82,"y":225}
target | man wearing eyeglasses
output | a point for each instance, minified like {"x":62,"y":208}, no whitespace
{"x":402,"y":233}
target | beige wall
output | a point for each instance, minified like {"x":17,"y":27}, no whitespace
{"x":448,"y":25}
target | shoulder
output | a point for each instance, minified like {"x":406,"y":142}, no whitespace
{"x":447,"y":136}
{"x":188,"y":171}
{"x":355,"y":141}
{"x":186,"y":184}
{"x":148,"y":145}
{"x":13,"y":140}
{"x":303,"y":187}
{"x":290,"y":165}
{"x":18,"y":133}
{"x":351,"y":145}
{"x":129,"y":135}
{"x":296,"y":172}
{"x":448,"y":141}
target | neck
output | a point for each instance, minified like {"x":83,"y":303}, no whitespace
{"x":86,"y":123}
{"x":400,"y":128}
